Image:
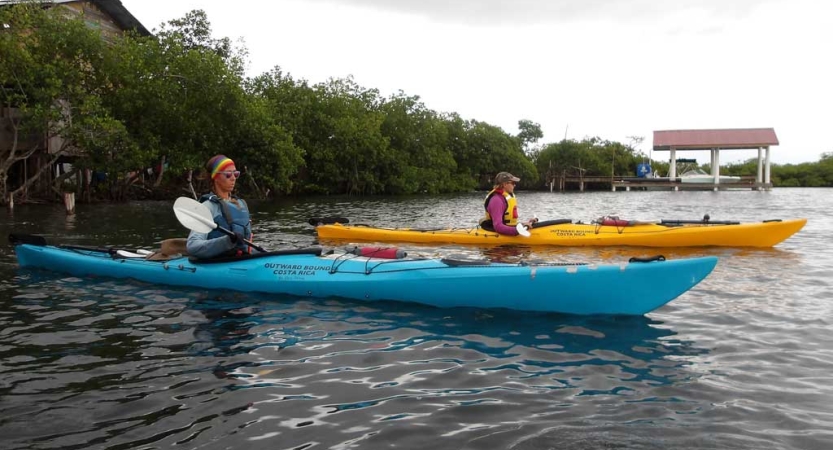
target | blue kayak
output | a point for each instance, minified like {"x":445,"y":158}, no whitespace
{"x":632,"y":288}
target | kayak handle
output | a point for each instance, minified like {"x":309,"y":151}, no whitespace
{"x":637,"y":259}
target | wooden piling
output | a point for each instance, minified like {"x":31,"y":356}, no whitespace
{"x":69,"y":202}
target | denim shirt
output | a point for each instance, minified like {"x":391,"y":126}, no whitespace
{"x":215,"y":243}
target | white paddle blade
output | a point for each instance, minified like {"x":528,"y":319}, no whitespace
{"x":193,"y":215}
{"x":522,"y":230}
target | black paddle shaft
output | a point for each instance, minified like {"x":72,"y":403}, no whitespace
{"x":698,"y":222}
{"x":329,"y":220}
{"x":248,"y":242}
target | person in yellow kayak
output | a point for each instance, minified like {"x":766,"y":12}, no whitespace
{"x":502,"y":207}
{"x":229,"y":211}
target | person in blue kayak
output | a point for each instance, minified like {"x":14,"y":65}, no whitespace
{"x":502,"y":206}
{"x":229,"y":211}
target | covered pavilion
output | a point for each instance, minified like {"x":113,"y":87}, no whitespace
{"x":716,"y":140}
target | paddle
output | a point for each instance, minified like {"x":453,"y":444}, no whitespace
{"x":315,"y":221}
{"x":197,"y":217}
{"x":522,"y":230}
{"x":698,"y":222}
{"x":617,"y":222}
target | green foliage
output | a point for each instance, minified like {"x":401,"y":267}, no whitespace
{"x":175,"y":98}
{"x":357,"y":142}
{"x":817,"y":174}
{"x":52,"y":89}
{"x":491,"y":150}
{"x":122,"y":105}
{"x":418,"y":138}
{"x":589,"y":157}
{"x":529,"y":133}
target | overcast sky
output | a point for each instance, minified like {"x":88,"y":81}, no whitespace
{"x":607,"y":68}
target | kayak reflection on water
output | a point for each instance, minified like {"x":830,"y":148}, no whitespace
{"x":530,"y":345}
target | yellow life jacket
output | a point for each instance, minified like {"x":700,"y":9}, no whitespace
{"x":510,"y":215}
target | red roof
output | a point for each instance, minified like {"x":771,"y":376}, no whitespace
{"x":708,"y":139}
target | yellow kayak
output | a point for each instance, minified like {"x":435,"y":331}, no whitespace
{"x":673,"y":233}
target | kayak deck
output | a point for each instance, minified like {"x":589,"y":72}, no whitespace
{"x":757,"y":234}
{"x":631,"y":288}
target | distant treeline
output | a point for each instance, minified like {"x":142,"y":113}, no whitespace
{"x":142,"y":114}
{"x":815,"y":174}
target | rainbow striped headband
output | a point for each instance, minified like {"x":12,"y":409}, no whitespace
{"x":220,"y":162}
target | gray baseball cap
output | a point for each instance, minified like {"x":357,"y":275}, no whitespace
{"x":503,"y":177}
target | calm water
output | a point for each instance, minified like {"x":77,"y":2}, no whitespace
{"x":743,"y":361}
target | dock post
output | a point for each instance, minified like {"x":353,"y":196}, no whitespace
{"x":759,"y":179}
{"x":69,"y":202}
{"x":11,"y":202}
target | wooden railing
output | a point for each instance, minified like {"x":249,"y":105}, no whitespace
{"x":561,"y":183}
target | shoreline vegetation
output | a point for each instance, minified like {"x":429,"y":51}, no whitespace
{"x":134,"y":117}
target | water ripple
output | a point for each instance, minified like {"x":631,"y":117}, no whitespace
{"x":742,"y":361}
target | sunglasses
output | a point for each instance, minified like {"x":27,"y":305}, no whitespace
{"x":513,"y":183}
{"x":229,"y":174}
